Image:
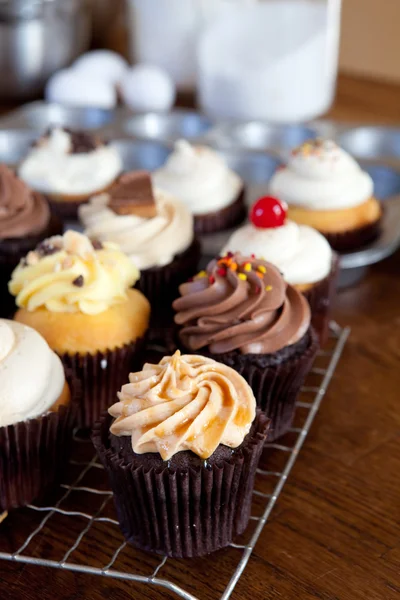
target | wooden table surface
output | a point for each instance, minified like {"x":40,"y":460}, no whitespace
{"x":335,"y":531}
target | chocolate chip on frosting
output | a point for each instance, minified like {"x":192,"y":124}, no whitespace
{"x":79,"y":281}
{"x":133,"y":194}
{"x":97,"y":245}
{"x":48,"y":247}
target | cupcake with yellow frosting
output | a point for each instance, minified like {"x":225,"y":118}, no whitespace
{"x":326,"y":189}
{"x":37,"y":415}
{"x":78,"y":296}
{"x":181,"y":449}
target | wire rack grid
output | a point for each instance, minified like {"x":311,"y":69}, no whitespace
{"x":338,"y":337}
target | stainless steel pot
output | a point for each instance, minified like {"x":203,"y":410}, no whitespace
{"x":38,"y":37}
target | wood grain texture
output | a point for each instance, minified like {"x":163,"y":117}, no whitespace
{"x":335,"y":532}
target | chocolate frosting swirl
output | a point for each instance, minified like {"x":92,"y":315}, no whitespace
{"x":240,"y":303}
{"x":22,"y":211}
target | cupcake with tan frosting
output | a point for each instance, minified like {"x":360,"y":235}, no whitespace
{"x":241,"y":312}
{"x":154,"y":229}
{"x":202,"y":180}
{"x":69,"y":167}
{"x":25,"y":220}
{"x":78,"y":296}
{"x":37,"y":412}
{"x":181,"y":451}
{"x":326,"y":189}
{"x":301,"y":253}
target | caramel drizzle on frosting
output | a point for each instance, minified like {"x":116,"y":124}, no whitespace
{"x":184,"y":403}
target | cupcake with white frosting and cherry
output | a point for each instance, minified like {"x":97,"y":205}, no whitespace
{"x":301,"y":253}
{"x":326,"y":189}
{"x":68,"y":167}
{"x":37,"y":415}
{"x":152,"y":227}
{"x":202,"y":180}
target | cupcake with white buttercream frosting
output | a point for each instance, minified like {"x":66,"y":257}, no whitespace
{"x":326,"y":189}
{"x":152,"y":227}
{"x":69,"y":167}
{"x":37,"y":410}
{"x":202,"y":180}
{"x":301,"y":253}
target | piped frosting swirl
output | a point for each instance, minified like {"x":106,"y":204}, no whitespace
{"x":72,"y":164}
{"x":69,"y":273}
{"x":184,"y":403}
{"x":22,"y":211}
{"x":199,"y":177}
{"x":31,"y":374}
{"x":240,"y":303}
{"x":321,"y":176}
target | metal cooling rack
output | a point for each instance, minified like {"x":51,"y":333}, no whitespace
{"x":308,"y":404}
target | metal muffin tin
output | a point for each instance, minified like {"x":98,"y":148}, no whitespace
{"x":253,"y":149}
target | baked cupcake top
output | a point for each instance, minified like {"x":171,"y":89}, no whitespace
{"x":321,"y":176}
{"x":70,"y":163}
{"x":301,"y":253}
{"x":31,"y":375}
{"x":69,"y":273}
{"x":240,"y":303}
{"x":151,"y":228}
{"x":22,"y":211}
{"x":199,"y":177}
{"x":184,"y":403}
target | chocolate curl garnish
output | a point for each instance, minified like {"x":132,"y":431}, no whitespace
{"x":133,"y":194}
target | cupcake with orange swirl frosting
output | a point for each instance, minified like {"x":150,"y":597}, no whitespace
{"x":241,"y":312}
{"x":78,"y":296}
{"x":25,"y":220}
{"x":181,"y":455}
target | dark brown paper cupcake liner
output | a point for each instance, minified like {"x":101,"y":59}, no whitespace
{"x":355,"y":238}
{"x":320,"y":298}
{"x":275,"y":379}
{"x":161,"y":286}
{"x":33,"y":453}
{"x":66,"y":210}
{"x":101,"y":376}
{"x":226,"y":218}
{"x":11,"y":252}
{"x":66,"y":207}
{"x":182,"y":512}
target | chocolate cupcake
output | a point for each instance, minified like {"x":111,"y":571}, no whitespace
{"x":155,"y":230}
{"x":38,"y":409}
{"x":25,"y":220}
{"x":69,"y":167}
{"x":302,"y":254}
{"x":326,"y":189}
{"x":201,"y":179}
{"x":78,"y":298}
{"x":241,"y":312}
{"x":182,"y":454}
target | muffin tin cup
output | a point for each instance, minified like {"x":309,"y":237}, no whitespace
{"x":33,"y":453}
{"x":182,"y":512}
{"x":275,"y":379}
{"x":227,"y":217}
{"x":320,"y":298}
{"x":11,"y":252}
{"x":101,"y":376}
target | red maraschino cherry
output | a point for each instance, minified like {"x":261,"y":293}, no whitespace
{"x":268,"y":212}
